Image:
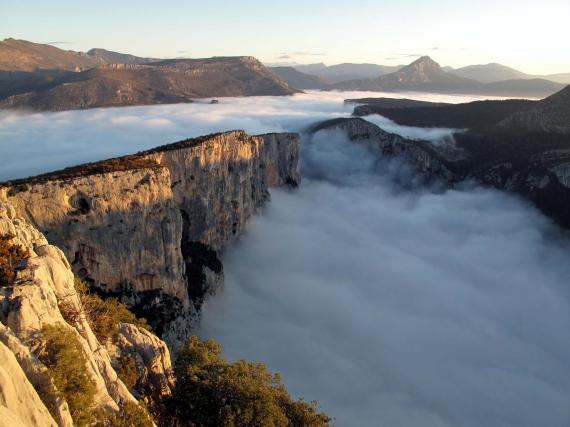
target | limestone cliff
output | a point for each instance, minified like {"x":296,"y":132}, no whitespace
{"x":42,"y":284}
{"x":431,"y":162}
{"x":149,"y":228}
{"x":543,"y":177}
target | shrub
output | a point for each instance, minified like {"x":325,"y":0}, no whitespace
{"x":127,"y":370}
{"x":212,"y":392}
{"x":103,"y":314}
{"x":61,"y":353}
{"x":130,"y":415}
{"x":10,"y":256}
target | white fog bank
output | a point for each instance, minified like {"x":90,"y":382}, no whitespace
{"x":400,"y":308}
{"x":41,"y":142}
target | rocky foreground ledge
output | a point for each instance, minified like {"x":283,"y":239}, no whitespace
{"x":36,"y":301}
{"x":148,"y":228}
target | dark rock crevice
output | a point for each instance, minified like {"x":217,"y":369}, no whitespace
{"x":198,"y":259}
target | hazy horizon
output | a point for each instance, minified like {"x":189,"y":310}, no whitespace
{"x":454,"y":34}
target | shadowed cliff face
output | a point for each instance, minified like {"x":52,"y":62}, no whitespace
{"x":152,"y":235}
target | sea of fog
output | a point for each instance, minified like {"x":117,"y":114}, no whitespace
{"x":388,"y":303}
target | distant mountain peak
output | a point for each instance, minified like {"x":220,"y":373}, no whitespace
{"x":424,"y":64}
{"x":422,"y":68}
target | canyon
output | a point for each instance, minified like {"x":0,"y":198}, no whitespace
{"x":149,"y":228}
{"x":154,"y":229}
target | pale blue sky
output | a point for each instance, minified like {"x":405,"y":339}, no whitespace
{"x":530,"y":35}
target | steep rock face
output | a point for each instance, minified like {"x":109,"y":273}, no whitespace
{"x":422,"y":156}
{"x":152,"y":234}
{"x":543,"y":178}
{"x":281,"y":159}
{"x":20,"y":404}
{"x":121,"y":230}
{"x":218,"y":183}
{"x":44,"y":281}
{"x":95,"y":207}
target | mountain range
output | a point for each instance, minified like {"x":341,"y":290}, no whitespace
{"x":426,"y":75}
{"x":490,"y":73}
{"x":483,"y":73}
{"x":43,"y":77}
{"x":346,"y":71}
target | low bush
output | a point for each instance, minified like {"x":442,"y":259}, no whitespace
{"x":127,"y":370}
{"x":130,"y":415}
{"x":103,"y":314}
{"x":62,"y":354}
{"x":10,"y":256}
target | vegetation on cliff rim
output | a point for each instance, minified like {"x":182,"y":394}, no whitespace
{"x":118,"y":164}
{"x":210,"y":391}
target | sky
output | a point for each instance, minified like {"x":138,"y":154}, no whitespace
{"x":528,"y":35}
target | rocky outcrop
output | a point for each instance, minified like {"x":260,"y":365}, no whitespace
{"x":20,"y":404}
{"x":38,"y":376}
{"x":562,"y":172}
{"x":430,"y":161}
{"x":152,"y":357}
{"x":43,"y":284}
{"x":149,"y":228}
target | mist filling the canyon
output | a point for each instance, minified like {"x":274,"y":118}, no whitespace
{"x":400,"y":307}
{"x":389,"y":303}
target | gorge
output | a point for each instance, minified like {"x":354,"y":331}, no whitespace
{"x":148,"y":227}
{"x":371,"y":289}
